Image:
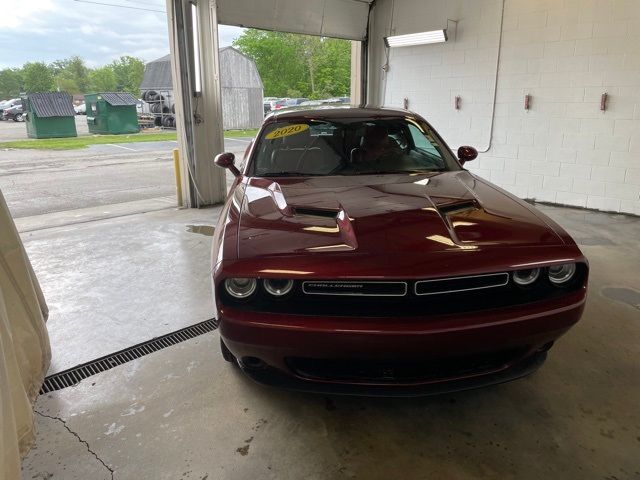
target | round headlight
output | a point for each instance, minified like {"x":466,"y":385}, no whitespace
{"x":560,"y":274}
{"x":240,"y":287}
{"x":526,"y":277}
{"x":278,"y":287}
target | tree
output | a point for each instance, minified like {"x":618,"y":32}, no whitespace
{"x":68,"y":85}
{"x":37,"y":77}
{"x":11,"y":82}
{"x":102,"y":80}
{"x":333,"y":69}
{"x":311,"y":66}
{"x":76,"y":70}
{"x":128,"y":73}
{"x":277,"y":56}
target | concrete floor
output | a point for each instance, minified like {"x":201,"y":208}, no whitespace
{"x":116,"y":282}
{"x":184,"y":413}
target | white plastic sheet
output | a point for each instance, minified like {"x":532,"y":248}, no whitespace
{"x":24,"y":347}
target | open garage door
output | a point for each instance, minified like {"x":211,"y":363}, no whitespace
{"x":196,"y":70}
{"x":345,"y":19}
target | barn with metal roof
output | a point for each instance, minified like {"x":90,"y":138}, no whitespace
{"x":241,"y":85}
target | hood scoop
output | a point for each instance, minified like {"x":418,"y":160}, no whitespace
{"x":315,"y":212}
{"x":344,"y":227}
{"x":458,"y":207}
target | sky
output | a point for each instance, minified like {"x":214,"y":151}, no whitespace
{"x":48,"y":30}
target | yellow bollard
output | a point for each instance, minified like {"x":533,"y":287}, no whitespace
{"x":176,"y":167}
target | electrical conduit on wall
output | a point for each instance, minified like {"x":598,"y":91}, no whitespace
{"x":386,"y":67}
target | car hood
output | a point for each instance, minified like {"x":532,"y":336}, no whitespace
{"x":385,"y":214}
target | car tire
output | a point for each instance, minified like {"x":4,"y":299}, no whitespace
{"x":18,"y":118}
{"x":226,"y":353}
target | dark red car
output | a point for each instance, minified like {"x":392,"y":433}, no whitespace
{"x":355,"y":254}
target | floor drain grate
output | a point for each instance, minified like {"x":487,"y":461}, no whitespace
{"x":75,"y":375}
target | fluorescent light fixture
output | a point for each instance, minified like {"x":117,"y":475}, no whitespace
{"x":422,"y":38}
{"x":195,"y":38}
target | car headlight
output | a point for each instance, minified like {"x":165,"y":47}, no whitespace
{"x":526,"y":277}
{"x":240,"y":287}
{"x":278,"y":287}
{"x":561,"y":274}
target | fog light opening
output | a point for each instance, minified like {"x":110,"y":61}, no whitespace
{"x":546,"y":347}
{"x":253,"y":362}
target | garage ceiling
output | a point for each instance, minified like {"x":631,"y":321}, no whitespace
{"x":330,"y":18}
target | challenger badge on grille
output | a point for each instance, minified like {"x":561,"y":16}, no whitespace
{"x":354,"y":288}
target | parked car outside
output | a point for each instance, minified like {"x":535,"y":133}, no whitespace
{"x":81,"y":109}
{"x":272,"y":103}
{"x":279,"y":104}
{"x":15,"y":113}
{"x":292,"y":102}
{"x":311,"y":103}
{"x":9,"y":104}
{"x":355,"y":254}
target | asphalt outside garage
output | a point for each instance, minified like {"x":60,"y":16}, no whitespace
{"x":136,"y":177}
{"x":10,"y":130}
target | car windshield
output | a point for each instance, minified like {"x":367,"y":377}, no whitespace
{"x":350,"y":147}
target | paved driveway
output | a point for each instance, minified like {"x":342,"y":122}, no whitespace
{"x":37,"y":182}
{"x":10,"y":130}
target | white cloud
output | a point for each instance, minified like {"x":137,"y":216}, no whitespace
{"x":21,"y":12}
{"x":48,"y":30}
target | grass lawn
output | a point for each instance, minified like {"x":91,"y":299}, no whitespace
{"x":74,"y":143}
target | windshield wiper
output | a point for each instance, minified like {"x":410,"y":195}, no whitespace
{"x":291,"y":174}
{"x":391,"y":172}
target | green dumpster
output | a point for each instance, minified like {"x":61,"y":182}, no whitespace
{"x":111,"y":113}
{"x":49,"y":115}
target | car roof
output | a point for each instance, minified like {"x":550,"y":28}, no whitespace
{"x":332,"y":112}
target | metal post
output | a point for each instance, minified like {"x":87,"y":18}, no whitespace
{"x":176,"y":168}
{"x":199,"y":114}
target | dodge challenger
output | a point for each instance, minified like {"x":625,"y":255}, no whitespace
{"x":355,"y":254}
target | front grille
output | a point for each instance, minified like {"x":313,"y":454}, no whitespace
{"x":461,"y":284}
{"x":393,"y":371}
{"x":354,"y":289}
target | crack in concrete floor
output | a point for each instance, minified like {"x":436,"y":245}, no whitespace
{"x":80,"y":439}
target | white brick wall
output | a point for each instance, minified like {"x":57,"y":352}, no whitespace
{"x":565,"y":54}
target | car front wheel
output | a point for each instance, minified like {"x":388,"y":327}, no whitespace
{"x":19,"y":118}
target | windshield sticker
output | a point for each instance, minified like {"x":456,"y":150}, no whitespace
{"x":287,"y":131}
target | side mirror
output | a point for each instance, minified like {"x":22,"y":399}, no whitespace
{"x":466,"y":154}
{"x":225,"y":160}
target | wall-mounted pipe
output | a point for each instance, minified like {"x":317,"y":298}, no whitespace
{"x":495,"y":84}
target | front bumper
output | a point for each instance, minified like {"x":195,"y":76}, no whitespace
{"x":273,"y":377}
{"x":265,"y":345}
